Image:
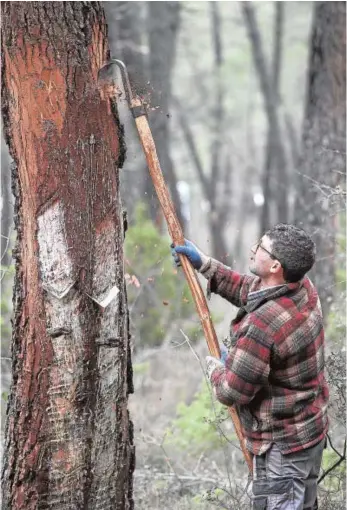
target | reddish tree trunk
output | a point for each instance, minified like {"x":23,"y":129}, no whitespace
{"x":68,"y":435}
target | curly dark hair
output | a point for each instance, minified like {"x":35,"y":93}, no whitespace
{"x":294,"y":249}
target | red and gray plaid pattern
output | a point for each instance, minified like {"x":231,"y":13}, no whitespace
{"x":274,"y":373}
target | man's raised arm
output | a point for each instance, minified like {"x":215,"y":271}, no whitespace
{"x":229,"y":284}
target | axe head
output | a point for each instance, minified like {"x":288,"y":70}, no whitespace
{"x":107,"y":73}
{"x":107,"y":82}
{"x":107,"y":77}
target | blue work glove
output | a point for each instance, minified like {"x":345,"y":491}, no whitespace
{"x":190,"y":251}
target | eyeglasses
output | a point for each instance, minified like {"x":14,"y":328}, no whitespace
{"x":258,"y":245}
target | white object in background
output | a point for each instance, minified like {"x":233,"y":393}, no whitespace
{"x":183,"y":189}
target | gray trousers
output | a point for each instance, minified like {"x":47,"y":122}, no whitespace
{"x":287,"y":482}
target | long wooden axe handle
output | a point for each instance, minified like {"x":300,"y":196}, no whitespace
{"x":176,"y":234}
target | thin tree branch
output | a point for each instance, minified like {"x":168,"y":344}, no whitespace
{"x":336,"y":464}
{"x":225,"y":201}
{"x":189,"y":137}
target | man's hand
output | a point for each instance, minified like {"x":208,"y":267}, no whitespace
{"x":211,"y":365}
{"x":189,"y":249}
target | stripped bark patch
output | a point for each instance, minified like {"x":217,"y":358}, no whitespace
{"x":55,"y":262}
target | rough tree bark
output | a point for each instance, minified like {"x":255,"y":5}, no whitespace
{"x":324,"y":141}
{"x":163,"y":23}
{"x":68,"y":435}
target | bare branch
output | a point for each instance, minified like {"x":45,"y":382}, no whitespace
{"x":189,"y":137}
{"x":336,"y":464}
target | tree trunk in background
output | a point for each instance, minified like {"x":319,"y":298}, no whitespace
{"x":218,"y":111}
{"x":270,"y":154}
{"x":281,"y":185}
{"x":225,"y":210}
{"x":216,"y":184}
{"x":6,"y":209}
{"x":68,"y":436}
{"x":163,"y":22}
{"x":217,"y":217}
{"x":293,"y":140}
{"x":324,"y":136}
{"x":125,"y":29}
{"x":219,"y":247}
{"x":125,"y":22}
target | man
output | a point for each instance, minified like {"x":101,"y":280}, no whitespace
{"x":274,"y":370}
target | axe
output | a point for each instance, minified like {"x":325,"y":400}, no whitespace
{"x":140,"y":115}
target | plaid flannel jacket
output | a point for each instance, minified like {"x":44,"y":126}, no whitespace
{"x":274,"y":373}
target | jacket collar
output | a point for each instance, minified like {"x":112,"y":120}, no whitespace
{"x":258,"y":297}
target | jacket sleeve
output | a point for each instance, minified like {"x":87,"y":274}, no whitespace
{"x":232,"y":286}
{"x":246,"y":369}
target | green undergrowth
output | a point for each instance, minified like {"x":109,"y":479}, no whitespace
{"x":159,"y":298}
{"x":335,"y":480}
{"x":198,"y":425}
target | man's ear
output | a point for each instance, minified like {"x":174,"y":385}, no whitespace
{"x":276,"y":267}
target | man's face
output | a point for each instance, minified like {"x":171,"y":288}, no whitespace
{"x":260,"y":262}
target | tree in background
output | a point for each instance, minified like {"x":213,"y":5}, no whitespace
{"x":126,"y":23}
{"x":144,"y":35}
{"x":323,"y":159}
{"x":276,"y":159}
{"x":68,"y":437}
{"x":215,"y":181}
{"x":162,"y":25}
{"x":270,"y":154}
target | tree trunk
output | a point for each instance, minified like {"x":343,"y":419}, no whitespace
{"x":270,"y":101}
{"x":218,"y":110}
{"x":216,"y":216}
{"x":270,"y":154}
{"x":324,"y":136}
{"x":125,"y":22}
{"x":68,"y":434}
{"x":163,"y":22}
{"x":225,"y":211}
